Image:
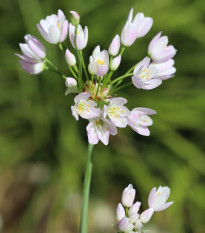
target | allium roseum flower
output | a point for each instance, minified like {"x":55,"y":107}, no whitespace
{"x":115,"y":63}
{"x":114,"y":46}
{"x":54,"y":28}
{"x":135,"y":28}
{"x":158,"y":49}
{"x":71,"y":85}
{"x":99,"y":62}
{"x":32,"y":60}
{"x":99,"y":129}
{"x":70,"y":58}
{"x":131,"y":219}
{"x":128,"y":196}
{"x":157,"y":198}
{"x":81,"y":37}
{"x":84,"y":107}
{"x":117,"y":112}
{"x":138,"y":120}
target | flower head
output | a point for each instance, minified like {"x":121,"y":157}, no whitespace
{"x":128,"y":196}
{"x":138,"y":120}
{"x":99,"y":62}
{"x":100,"y":129}
{"x":54,"y":28}
{"x":158,"y":49}
{"x":157,"y":198}
{"x":84,"y":107}
{"x":81,"y":37}
{"x":135,"y":28}
{"x":117,"y":112}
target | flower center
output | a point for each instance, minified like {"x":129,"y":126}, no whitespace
{"x":145,"y":74}
{"x":58,"y":24}
{"x":100,"y":62}
{"x":99,"y":123}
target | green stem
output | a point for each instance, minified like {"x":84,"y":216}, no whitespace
{"x":122,"y":50}
{"x":99,"y":83}
{"x":121,"y":77}
{"x":119,"y":88}
{"x":60,"y":46}
{"x":53,"y":68}
{"x":73,"y":73}
{"x":86,"y":190}
{"x":79,"y":59}
{"x":86,"y":74}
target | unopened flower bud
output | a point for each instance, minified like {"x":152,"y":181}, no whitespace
{"x":115,"y":63}
{"x":146,"y":215}
{"x":114,"y":46}
{"x":138,"y":224}
{"x":128,"y":196}
{"x":70,"y":58}
{"x":134,"y":208}
{"x":75,"y":18}
{"x":124,"y":225}
{"x":134,"y":217}
{"x":71,"y":85}
{"x":120,"y":212}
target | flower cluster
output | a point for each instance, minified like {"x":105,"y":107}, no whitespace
{"x":128,"y":218}
{"x":93,"y":83}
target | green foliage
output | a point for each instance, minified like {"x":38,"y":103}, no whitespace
{"x":43,"y":149}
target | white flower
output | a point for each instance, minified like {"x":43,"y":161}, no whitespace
{"x":157,"y":198}
{"x":81,"y":37}
{"x":124,"y":225}
{"x":128,"y":196}
{"x":120,"y":212}
{"x":117,"y":112}
{"x":134,"y":208}
{"x":114,"y":46}
{"x":99,"y":62}
{"x":146,"y":215}
{"x":54,"y":28}
{"x":71,"y":85}
{"x":138,"y":120}
{"x":100,"y":129}
{"x":115,"y":63}
{"x":70,"y":58}
{"x":84,"y":107}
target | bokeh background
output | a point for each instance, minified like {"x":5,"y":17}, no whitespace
{"x":43,"y":149}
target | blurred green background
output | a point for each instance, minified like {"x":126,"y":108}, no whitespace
{"x":43,"y":149}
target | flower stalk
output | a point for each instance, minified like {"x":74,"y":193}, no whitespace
{"x":86,"y":190}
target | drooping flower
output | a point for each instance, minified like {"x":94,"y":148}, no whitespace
{"x":165,"y":70}
{"x":136,"y":28}
{"x":145,"y":77}
{"x":117,"y":112}
{"x":146,"y":215}
{"x":128,"y":196}
{"x":54,"y":28}
{"x":114,"y":46}
{"x":157,"y":198}
{"x":120,"y":212}
{"x":158,"y":49}
{"x":138,"y":120}
{"x":70,"y":58}
{"x":99,"y":62}
{"x":84,"y":107}
{"x":71,"y":85}
{"x":124,"y":225}
{"x":115,"y":63}
{"x":99,"y":129}
{"x":81,"y":37}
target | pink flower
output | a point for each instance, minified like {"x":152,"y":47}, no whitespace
{"x":99,"y":62}
{"x":84,"y":107}
{"x":128,"y":196}
{"x":145,"y":77}
{"x":136,"y":28}
{"x":146,"y":215}
{"x":165,"y":70}
{"x":117,"y":112}
{"x":120,"y":212}
{"x":138,"y":120}
{"x":158,"y":49}
{"x":114,"y":46}
{"x":71,"y":85}
{"x":124,"y":225}
{"x":70,"y":58}
{"x":81,"y":38}
{"x":115,"y":63}
{"x":134,"y":208}
{"x":54,"y":28}
{"x":100,"y":129}
{"x":157,"y":198}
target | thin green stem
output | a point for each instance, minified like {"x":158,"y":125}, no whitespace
{"x":119,"y":88}
{"x":60,"y":46}
{"x":50,"y":66}
{"x":73,"y":73}
{"x":79,"y":59}
{"x":121,"y":78}
{"x":86,"y":74}
{"x":99,"y":83}
{"x":86,"y":190}
{"x":122,"y":50}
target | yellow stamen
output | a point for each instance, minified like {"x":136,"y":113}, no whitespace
{"x":143,"y":76}
{"x":100,"y":62}
{"x":59,"y":24}
{"x":159,"y":193}
{"x":147,"y":77}
{"x":144,"y":70}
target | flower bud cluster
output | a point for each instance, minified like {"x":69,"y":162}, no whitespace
{"x":129,"y":219}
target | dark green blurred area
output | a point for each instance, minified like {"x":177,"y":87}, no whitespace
{"x":43,"y":149}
